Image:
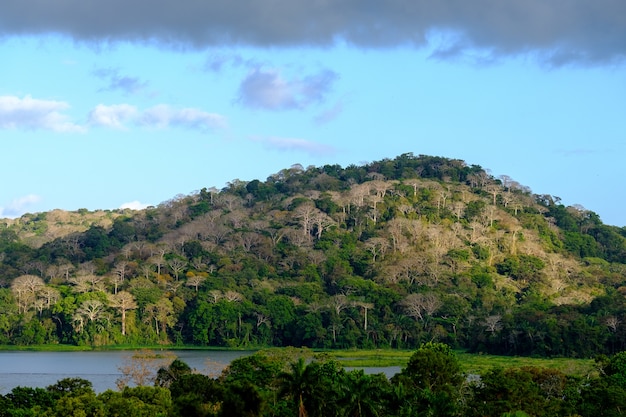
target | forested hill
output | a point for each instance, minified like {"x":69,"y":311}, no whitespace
{"x":389,"y":254}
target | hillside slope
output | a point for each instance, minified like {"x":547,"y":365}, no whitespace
{"x":388,"y":254}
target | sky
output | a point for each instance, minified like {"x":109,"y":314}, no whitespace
{"x":129,"y":103}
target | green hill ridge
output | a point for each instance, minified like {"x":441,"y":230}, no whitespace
{"x":389,"y":254}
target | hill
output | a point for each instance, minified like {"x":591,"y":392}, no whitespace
{"x":388,"y":254}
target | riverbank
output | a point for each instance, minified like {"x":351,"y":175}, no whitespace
{"x":359,"y":358}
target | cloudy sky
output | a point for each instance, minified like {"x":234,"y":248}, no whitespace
{"x":131,"y":102}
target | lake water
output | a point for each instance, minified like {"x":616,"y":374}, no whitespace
{"x":41,"y":369}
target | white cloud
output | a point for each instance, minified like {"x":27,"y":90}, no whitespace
{"x":19,"y":206}
{"x":296,"y":145}
{"x":112,"y":116}
{"x":163,"y":116}
{"x":118,"y":116}
{"x":267,"y":89}
{"x":134,"y":205}
{"x":35,"y":114}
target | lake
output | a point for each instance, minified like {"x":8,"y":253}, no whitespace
{"x":41,"y":369}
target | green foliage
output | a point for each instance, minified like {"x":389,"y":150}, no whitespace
{"x":521,"y":267}
{"x":326,"y":257}
{"x":288,"y":382}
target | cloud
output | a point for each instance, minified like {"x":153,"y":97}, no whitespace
{"x":128,"y":85}
{"x":329,"y":114}
{"x":267,"y":89}
{"x":113,"y":116}
{"x":217,"y":61}
{"x":559,"y":31}
{"x":134,"y":205}
{"x":118,"y":116}
{"x":19,"y":206}
{"x":296,"y":145}
{"x":163,"y":116}
{"x":34,"y":114}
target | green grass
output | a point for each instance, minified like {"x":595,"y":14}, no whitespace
{"x":372,"y":358}
{"x":73,"y":348}
{"x":45,"y":348}
{"x":471,"y":363}
{"x":477,"y":364}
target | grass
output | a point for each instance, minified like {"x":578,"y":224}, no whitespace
{"x":471,"y":363}
{"x":477,"y":364}
{"x":46,"y":348}
{"x":74,"y":348}
{"x":370,"y":358}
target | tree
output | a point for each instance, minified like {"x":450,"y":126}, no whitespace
{"x":167,"y":375}
{"x":433,"y":376}
{"x":142,"y":367}
{"x":312,"y":388}
{"x":195,"y":281}
{"x":362,"y":395}
{"x":177,"y":265}
{"x":123,"y":301}
{"x":90,"y":309}
{"x":25,"y":288}
{"x":420,"y":305}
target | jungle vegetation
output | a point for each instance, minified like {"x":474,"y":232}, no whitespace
{"x":287,"y":384}
{"x":389,"y":254}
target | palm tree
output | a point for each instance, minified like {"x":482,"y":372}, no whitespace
{"x":296,"y":384}
{"x":359,"y":394}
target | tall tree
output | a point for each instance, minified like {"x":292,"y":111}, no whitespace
{"x":123,"y":301}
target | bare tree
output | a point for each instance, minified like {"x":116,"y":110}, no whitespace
{"x":215,"y":296}
{"x":123,"y":301}
{"x":419,"y":306}
{"x":120,"y":271}
{"x":25,"y":289}
{"x":376,"y":246}
{"x":493,"y":323}
{"x":177,"y":265}
{"x":338,"y":303}
{"x":321,"y":221}
{"x":195,"y":281}
{"x":158,"y":259}
{"x":261,"y":319}
{"x":91,"y":309}
{"x":304,"y":213}
{"x":162,"y":312}
{"x":49,"y":295}
{"x":232,"y":296}
{"x":365,"y":306}
{"x":141,"y":367}
{"x":612,"y":323}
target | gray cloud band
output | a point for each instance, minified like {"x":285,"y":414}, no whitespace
{"x":561,"y":31}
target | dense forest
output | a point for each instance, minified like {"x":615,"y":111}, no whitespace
{"x":389,"y":254}
{"x":290,"y":383}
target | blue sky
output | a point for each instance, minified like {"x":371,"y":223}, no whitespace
{"x":136,"y":102}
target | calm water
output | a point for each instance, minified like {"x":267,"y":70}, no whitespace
{"x":40,"y":369}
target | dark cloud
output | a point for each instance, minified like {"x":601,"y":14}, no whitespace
{"x":557,"y":31}
{"x":267,"y":89}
